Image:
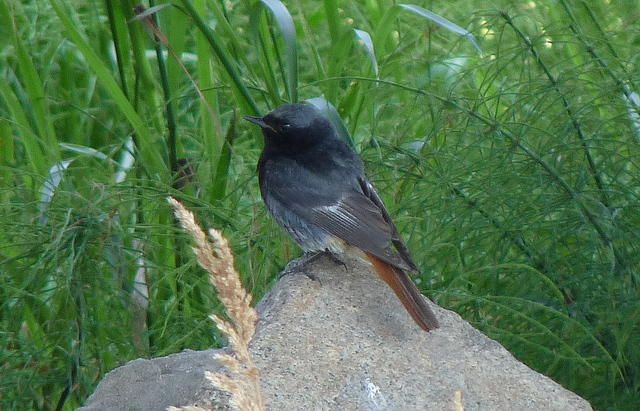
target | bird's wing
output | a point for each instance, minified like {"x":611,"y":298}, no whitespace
{"x":346,"y":206}
{"x":396,"y":240}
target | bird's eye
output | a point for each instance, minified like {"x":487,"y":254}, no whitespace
{"x":285,"y":126}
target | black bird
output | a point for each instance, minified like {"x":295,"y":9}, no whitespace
{"x":314,"y":186}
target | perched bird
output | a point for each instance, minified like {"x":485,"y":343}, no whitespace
{"x":314,"y":186}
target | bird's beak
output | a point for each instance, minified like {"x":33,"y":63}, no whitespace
{"x":259,"y":121}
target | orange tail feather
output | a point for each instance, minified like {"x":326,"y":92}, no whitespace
{"x":405,"y":289}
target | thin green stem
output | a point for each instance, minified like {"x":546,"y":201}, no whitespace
{"x":567,"y":107}
{"x":222,"y":56}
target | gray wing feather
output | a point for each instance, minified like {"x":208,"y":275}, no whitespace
{"x":345,"y":206}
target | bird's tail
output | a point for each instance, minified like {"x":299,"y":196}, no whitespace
{"x":413,"y":301}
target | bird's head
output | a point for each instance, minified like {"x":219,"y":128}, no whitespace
{"x":297,"y":124}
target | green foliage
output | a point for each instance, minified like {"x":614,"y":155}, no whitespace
{"x":513,"y":175}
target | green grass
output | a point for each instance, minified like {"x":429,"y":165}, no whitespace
{"x":513,"y":175}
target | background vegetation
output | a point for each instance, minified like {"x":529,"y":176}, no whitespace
{"x":513,"y":176}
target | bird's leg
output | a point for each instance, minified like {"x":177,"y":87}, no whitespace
{"x":331,"y":256}
{"x":300,"y":265}
{"x":309,"y":257}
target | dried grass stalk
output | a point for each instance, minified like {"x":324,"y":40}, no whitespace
{"x":215,"y":256}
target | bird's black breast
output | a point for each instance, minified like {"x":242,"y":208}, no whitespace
{"x":294,"y":184}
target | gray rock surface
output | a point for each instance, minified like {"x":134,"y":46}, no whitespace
{"x":145,"y":385}
{"x":342,"y":341}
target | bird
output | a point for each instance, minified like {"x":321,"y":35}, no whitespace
{"x":314,"y":186}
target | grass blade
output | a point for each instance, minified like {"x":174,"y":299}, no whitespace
{"x":56,"y":173}
{"x":239,"y":86}
{"x":365,"y":39}
{"x":146,"y":144}
{"x":22,"y":128}
{"x":288,"y":66}
{"x":442,"y":22}
{"x":33,"y":119}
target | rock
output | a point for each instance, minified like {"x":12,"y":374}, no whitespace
{"x":334,"y":337}
{"x":156,"y":384}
